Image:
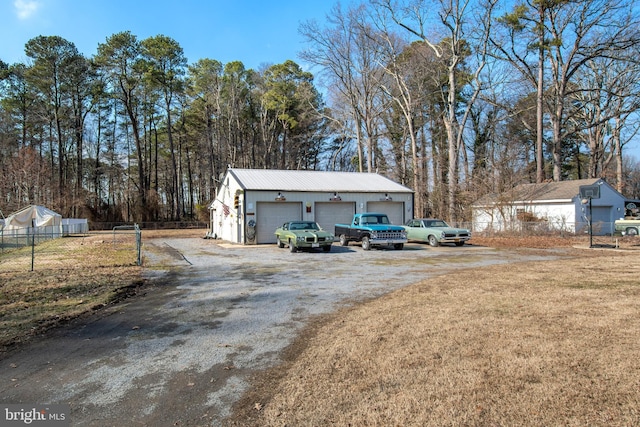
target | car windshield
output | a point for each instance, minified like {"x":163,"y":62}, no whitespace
{"x":375,"y":219}
{"x":303,"y":226}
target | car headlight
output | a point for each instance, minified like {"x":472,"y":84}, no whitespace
{"x":300,"y":238}
{"x":374,"y":234}
{"x":442,"y":234}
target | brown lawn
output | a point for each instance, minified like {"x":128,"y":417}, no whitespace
{"x":538,"y":343}
{"x":535,"y":343}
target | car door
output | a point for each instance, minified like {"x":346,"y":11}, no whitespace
{"x":414,"y":231}
{"x":422,"y":234}
{"x":283,"y":232}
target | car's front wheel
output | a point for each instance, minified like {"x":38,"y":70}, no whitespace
{"x":433,"y":241}
{"x":343,"y":240}
{"x":398,"y":246}
{"x":632,"y":231}
{"x":459,"y":243}
{"x":326,"y":248}
{"x":292,"y":247}
{"x":366,"y":243}
{"x":279,"y":242}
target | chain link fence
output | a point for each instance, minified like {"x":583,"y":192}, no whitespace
{"x":34,"y":248}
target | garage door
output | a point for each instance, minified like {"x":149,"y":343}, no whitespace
{"x":394,"y":210}
{"x":271,"y":215}
{"x":328,"y":214}
{"x":601,"y":220}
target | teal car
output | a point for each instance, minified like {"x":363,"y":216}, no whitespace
{"x":435,"y":232}
{"x":299,"y":235}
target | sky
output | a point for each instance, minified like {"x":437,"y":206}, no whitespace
{"x":255,"y":32}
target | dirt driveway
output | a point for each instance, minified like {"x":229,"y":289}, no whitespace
{"x":184,"y":351}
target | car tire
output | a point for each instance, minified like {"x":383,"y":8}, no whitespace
{"x":366,"y":243}
{"x":631,"y":231}
{"x":433,"y":241}
{"x":459,"y":243}
{"x":343,"y":240}
{"x":398,"y":246}
{"x":326,"y":248}
{"x":292,"y":247}
{"x":279,"y":242}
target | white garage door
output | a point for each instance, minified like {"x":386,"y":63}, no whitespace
{"x":328,"y":214}
{"x":394,"y":210}
{"x":271,"y":215}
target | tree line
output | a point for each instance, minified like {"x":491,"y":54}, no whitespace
{"x":454,"y":99}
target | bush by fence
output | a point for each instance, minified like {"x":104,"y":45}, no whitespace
{"x":538,"y":228}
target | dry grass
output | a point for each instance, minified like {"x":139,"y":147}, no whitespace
{"x":73,"y":276}
{"x":553,"y":343}
{"x":540,"y":343}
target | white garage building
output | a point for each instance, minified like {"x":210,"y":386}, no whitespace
{"x":554,"y":205}
{"x":251,"y":203}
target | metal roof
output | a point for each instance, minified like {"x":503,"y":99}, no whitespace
{"x":546,"y":191}
{"x":306,"y":180}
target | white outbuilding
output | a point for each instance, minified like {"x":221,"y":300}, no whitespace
{"x":563,"y":206}
{"x":251,"y":203}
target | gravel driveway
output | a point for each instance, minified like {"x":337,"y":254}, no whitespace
{"x":184,"y":351}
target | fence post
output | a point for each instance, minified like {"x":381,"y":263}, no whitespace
{"x":33,"y":242}
{"x":138,"y":243}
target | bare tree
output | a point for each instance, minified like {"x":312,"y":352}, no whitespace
{"x":405,"y":66}
{"x":607,"y":100}
{"x":351,"y":64}
{"x":568,"y":35}
{"x":456,"y":34}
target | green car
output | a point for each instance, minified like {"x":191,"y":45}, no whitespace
{"x":303,"y":235}
{"x":435,"y":232}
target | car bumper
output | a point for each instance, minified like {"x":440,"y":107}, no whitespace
{"x":314,"y":244}
{"x":380,"y":242}
{"x":455,"y":239}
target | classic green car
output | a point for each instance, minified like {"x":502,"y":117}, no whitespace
{"x":435,"y":232}
{"x":303,"y":235}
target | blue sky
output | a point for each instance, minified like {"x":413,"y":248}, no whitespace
{"x":255,"y":32}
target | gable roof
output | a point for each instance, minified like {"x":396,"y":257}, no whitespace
{"x":543,"y":192}
{"x":306,"y":180}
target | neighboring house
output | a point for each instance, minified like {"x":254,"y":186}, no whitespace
{"x":251,"y":203}
{"x":550,"y":206}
